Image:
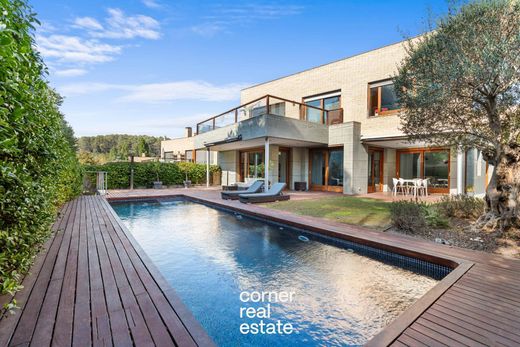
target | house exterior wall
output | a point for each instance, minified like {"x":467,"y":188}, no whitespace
{"x":183,"y":144}
{"x":351,"y":76}
{"x":179,"y":145}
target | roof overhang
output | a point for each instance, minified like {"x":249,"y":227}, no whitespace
{"x":392,"y":141}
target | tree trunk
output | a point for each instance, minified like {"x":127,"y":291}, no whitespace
{"x":503,"y":192}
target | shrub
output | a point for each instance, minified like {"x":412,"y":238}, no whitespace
{"x":461,"y":206}
{"x":434,"y":217}
{"x":38,"y":166}
{"x":415,"y":217}
{"x":146,"y":173}
{"x":408,"y":216}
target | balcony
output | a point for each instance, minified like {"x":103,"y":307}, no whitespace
{"x":271,"y":105}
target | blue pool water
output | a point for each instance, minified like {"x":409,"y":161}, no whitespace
{"x":339,"y":297}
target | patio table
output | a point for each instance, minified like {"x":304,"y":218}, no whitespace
{"x":412,"y":181}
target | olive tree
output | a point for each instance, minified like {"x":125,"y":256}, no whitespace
{"x":459,"y":86}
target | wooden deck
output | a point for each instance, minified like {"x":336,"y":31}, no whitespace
{"x":95,"y":286}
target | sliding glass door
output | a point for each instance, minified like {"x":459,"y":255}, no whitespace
{"x":433,"y":164}
{"x":326,"y":166}
{"x":251,"y":165}
{"x":375,"y":170}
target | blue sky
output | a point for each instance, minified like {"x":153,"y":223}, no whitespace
{"x":155,"y":66}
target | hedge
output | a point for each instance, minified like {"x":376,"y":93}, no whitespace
{"x":146,"y":173}
{"x":38,"y":166}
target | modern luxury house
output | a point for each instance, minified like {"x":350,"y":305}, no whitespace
{"x":334,"y":127}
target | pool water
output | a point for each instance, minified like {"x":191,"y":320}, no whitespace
{"x":210,"y":257}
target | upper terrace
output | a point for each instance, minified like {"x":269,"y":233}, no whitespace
{"x":285,"y":122}
{"x":273,"y":105}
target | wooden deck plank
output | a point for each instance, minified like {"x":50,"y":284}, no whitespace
{"x":422,"y":338}
{"x":478,"y":319}
{"x":98,"y":307}
{"x":82,"y":332}
{"x":120,"y":331}
{"x":120,"y":265}
{"x":10,"y":321}
{"x":29,"y":316}
{"x":431,"y":331}
{"x":47,"y":317}
{"x":407,"y":340}
{"x":449,"y":329}
{"x":492,"y":335}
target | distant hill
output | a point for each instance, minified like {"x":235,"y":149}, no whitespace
{"x":103,"y":148}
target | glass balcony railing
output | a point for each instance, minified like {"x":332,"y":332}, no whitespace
{"x":271,"y":105}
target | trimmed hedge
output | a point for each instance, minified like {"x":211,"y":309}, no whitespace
{"x":146,"y":173}
{"x":38,"y":167}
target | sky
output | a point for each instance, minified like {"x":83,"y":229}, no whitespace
{"x":152,"y":67}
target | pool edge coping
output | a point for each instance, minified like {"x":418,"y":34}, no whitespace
{"x":389,"y":333}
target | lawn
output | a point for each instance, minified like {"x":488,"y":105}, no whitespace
{"x":344,"y":209}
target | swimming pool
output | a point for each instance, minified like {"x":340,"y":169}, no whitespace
{"x":246,"y":280}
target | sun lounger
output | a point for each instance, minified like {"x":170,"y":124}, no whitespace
{"x":273,"y":194}
{"x":233,"y":195}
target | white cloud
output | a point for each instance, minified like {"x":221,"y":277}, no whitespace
{"x":87,"y":23}
{"x":160,"y":92}
{"x":226,"y":17}
{"x":73,"y":49}
{"x":120,"y":26}
{"x":258,"y":11}
{"x":208,"y":29}
{"x":151,"y":3}
{"x":69,"y":54}
{"x":70,"y":72}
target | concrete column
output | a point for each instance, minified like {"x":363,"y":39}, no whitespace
{"x":207,"y":167}
{"x":460,"y":171}
{"x":355,"y":160}
{"x":266,"y":165}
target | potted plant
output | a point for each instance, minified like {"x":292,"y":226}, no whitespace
{"x":157,"y":184}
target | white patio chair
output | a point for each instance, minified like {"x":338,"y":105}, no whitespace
{"x":397,"y":187}
{"x":424,"y":186}
{"x":404,"y":187}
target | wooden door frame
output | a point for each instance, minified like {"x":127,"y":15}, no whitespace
{"x":325,"y":187}
{"x":371,"y":189}
{"x":421,"y":152}
{"x":241,"y":174}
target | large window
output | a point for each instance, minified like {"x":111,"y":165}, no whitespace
{"x":329,"y":101}
{"x":433,"y":164}
{"x":313,"y":114}
{"x":252,"y":164}
{"x":382,"y":99}
{"x":336,"y":167}
{"x":327,"y":169}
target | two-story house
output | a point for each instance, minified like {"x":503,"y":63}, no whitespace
{"x":334,"y":127}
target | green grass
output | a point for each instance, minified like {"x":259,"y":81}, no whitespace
{"x":344,"y":209}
